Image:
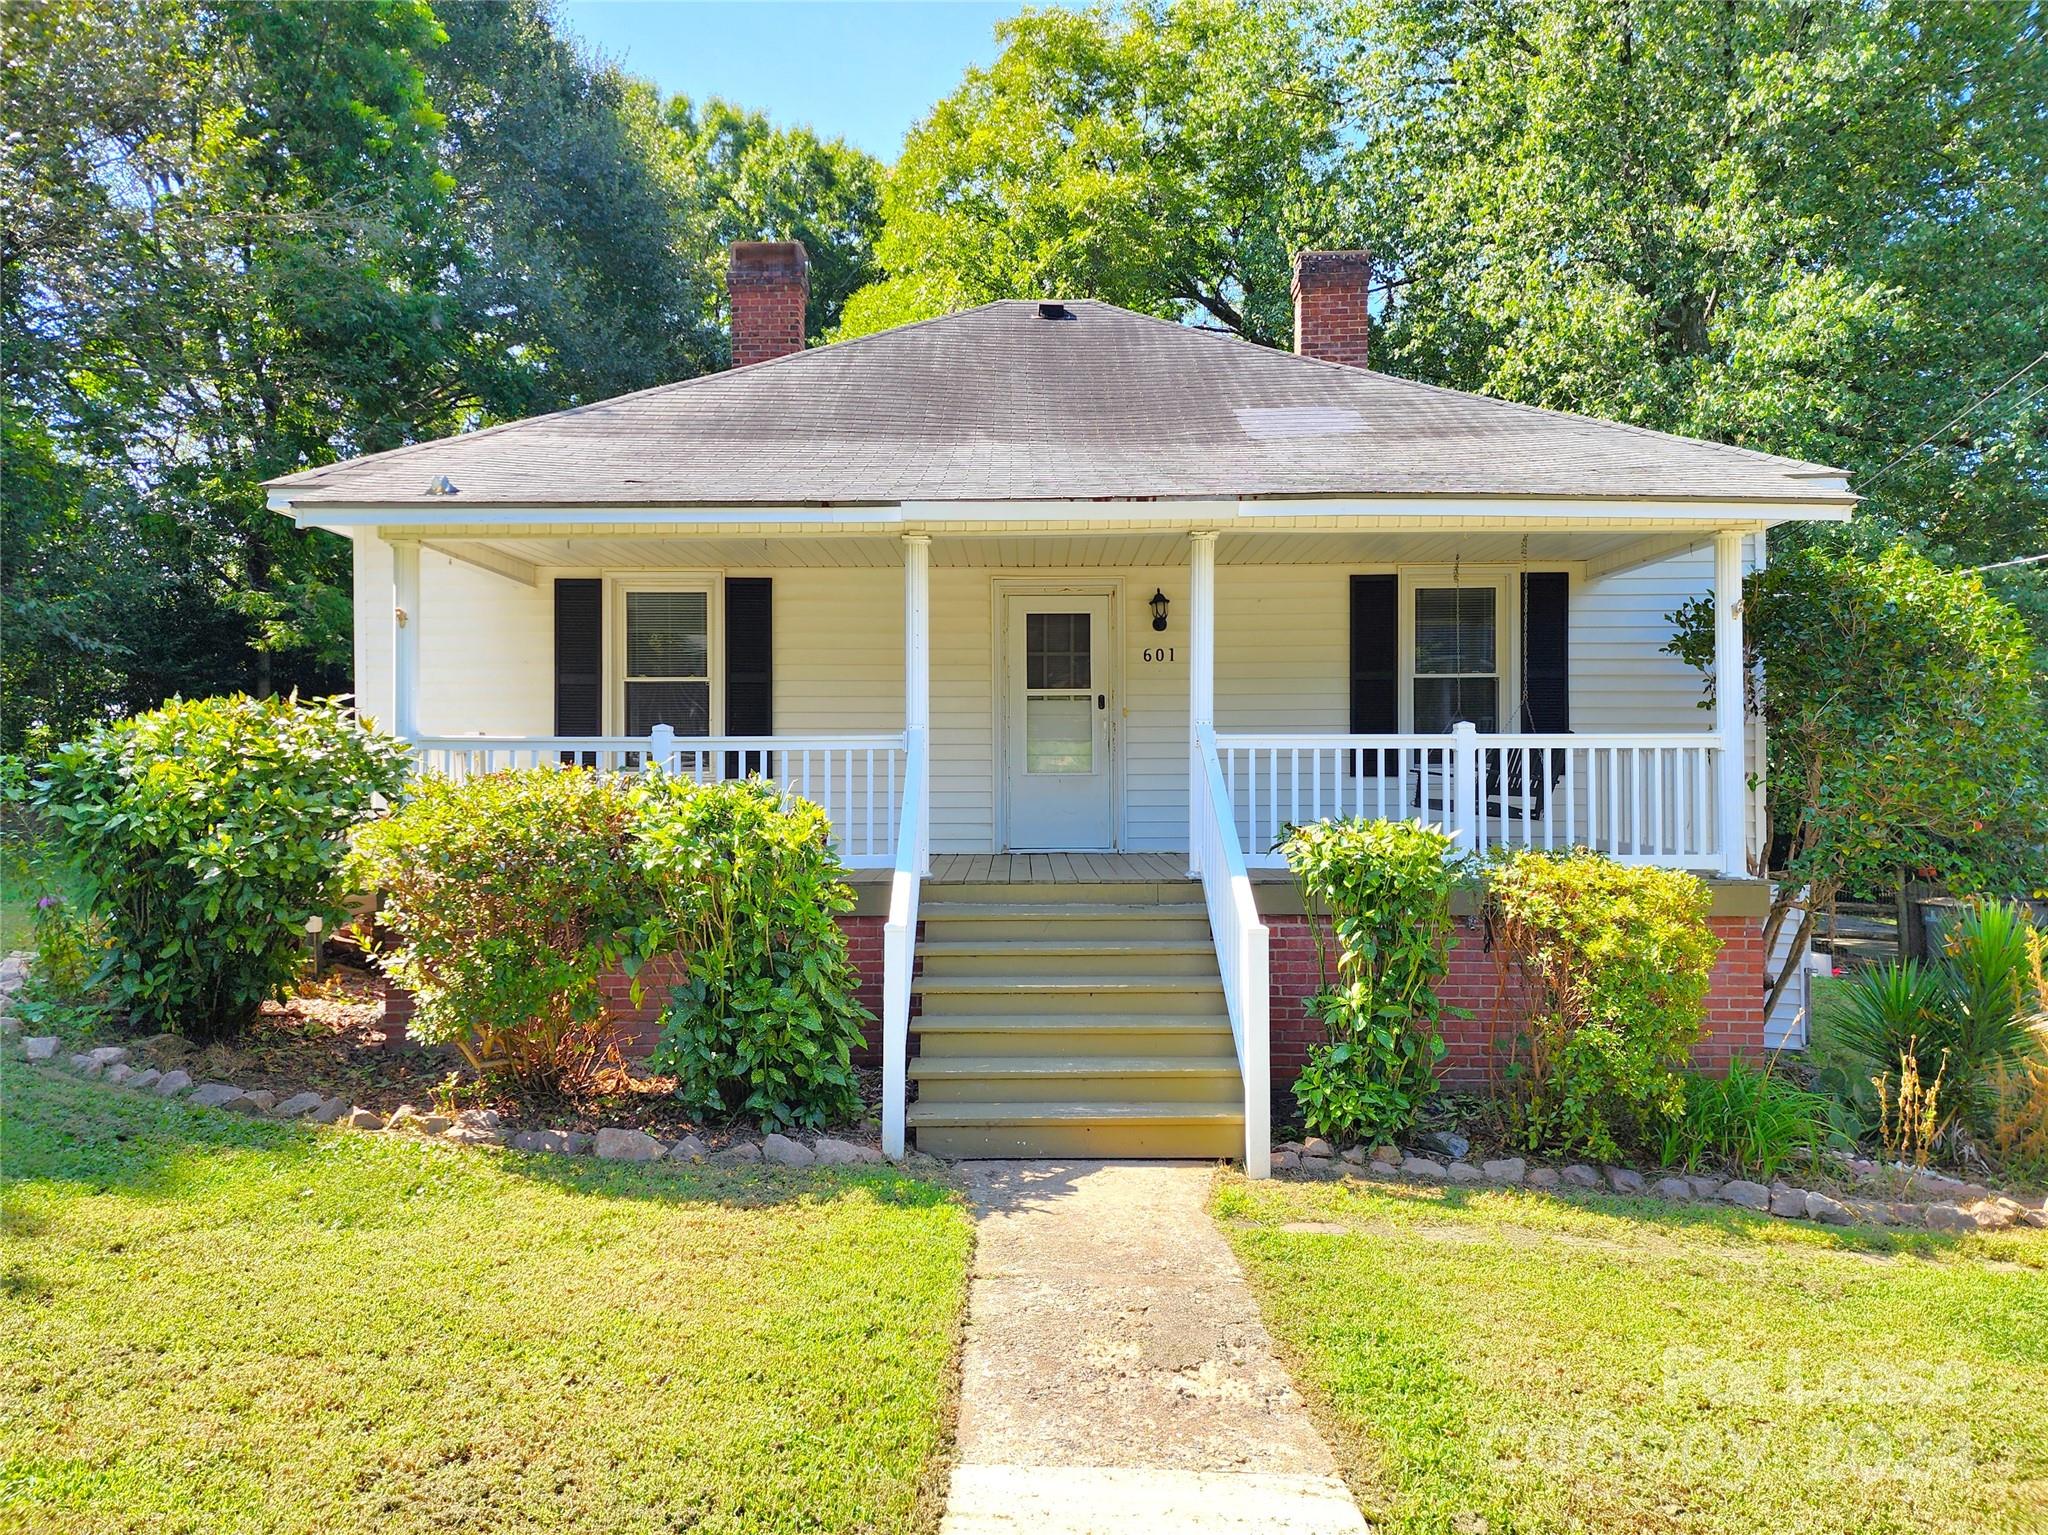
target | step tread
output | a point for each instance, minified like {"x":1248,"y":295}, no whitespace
{"x":1023,"y":947}
{"x":1000,"y":911}
{"x":1052,"y":1111}
{"x":1074,"y":1066}
{"x":1069,"y":1023}
{"x":945,"y":983}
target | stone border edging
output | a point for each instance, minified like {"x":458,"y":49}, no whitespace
{"x":109,"y":1064}
{"x":1953,"y":1205}
{"x":468,"y":1127}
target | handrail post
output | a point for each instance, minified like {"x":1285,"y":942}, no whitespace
{"x":1201,"y":674}
{"x":1468,"y":814}
{"x":917,"y":667}
{"x":1256,"y":986}
{"x":405,"y":638}
{"x":662,"y":747}
{"x":1730,"y":779}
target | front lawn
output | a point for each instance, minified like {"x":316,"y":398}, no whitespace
{"x":1505,"y":1361}
{"x":214,"y":1324}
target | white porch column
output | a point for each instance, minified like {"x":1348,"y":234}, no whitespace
{"x":917,"y":663}
{"x":1201,"y":668}
{"x":405,"y":638}
{"x":1731,"y":785}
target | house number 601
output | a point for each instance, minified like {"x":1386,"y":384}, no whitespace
{"x":1159,"y":652}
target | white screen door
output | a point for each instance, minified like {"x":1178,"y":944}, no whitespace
{"x":1059,"y":779}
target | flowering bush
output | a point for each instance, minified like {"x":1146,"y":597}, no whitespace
{"x":207,"y":832}
{"x":1612,"y":963}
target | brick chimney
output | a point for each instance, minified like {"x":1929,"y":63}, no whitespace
{"x":1329,"y":305}
{"x":770,"y":282}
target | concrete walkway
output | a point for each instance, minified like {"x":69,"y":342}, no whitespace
{"x":1117,"y":1376}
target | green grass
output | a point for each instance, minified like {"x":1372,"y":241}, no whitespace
{"x":213,"y":1324}
{"x":1541,"y":1364}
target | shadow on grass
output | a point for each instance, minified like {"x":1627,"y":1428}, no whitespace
{"x":1572,"y":1212}
{"x":64,"y":1130}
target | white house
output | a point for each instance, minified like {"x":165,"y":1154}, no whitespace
{"x":1052,"y":605}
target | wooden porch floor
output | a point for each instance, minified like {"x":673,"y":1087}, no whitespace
{"x":1057,"y":869}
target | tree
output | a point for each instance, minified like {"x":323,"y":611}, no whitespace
{"x":1903,"y":727}
{"x":241,"y":240}
{"x":1818,"y":230}
{"x":753,"y":181}
{"x":1168,"y":158}
{"x":224,"y":268}
{"x":577,"y":278}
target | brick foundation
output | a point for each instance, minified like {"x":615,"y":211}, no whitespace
{"x":637,"y":1028}
{"x":1735,"y":999}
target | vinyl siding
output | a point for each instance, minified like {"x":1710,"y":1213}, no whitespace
{"x":487,"y":665}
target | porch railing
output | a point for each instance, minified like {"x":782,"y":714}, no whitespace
{"x":899,"y":939}
{"x":857,"y":781}
{"x":1241,"y":941}
{"x":1648,"y":799}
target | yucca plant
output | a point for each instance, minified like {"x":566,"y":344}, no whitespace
{"x":1961,"y":1017}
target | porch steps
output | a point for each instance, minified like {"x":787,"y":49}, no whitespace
{"x":1072,"y":1020}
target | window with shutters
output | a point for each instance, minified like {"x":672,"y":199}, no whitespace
{"x":666,"y":659}
{"x":1457,"y":650}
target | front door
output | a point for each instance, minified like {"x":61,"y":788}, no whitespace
{"x":1059,"y":734}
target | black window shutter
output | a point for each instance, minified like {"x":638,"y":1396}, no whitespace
{"x":749,"y":667}
{"x":579,"y":658}
{"x":1375,"y":662}
{"x":1546,"y":652}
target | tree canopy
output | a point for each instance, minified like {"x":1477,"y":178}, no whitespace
{"x":1169,"y":160}
{"x":245,"y":239}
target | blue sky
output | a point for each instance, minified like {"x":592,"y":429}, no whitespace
{"x":862,"y":70}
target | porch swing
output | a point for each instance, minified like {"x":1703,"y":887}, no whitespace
{"x":1508,"y":790}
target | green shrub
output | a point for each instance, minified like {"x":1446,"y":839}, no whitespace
{"x":1386,"y":888}
{"x":510,"y":894}
{"x":1904,"y":726}
{"x":207,"y":832}
{"x":1611,"y":965}
{"x":1752,"y":1122}
{"x":767,"y":1016}
{"x":1969,"y":1013}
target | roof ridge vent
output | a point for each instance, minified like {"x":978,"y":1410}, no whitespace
{"x":1052,"y":311}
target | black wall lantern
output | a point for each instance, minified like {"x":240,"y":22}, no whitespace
{"x":1158,"y":608}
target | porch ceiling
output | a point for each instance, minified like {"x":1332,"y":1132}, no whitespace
{"x":1598,"y":550}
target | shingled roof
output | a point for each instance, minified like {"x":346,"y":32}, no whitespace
{"x":1002,"y":403}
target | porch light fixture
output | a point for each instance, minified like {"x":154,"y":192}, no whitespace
{"x":1158,"y":608}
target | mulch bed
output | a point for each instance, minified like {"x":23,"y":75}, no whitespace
{"x":331,"y":1039}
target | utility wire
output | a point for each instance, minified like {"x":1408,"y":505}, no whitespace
{"x":1959,"y":415}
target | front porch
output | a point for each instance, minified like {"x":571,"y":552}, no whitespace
{"x":1078,"y":714}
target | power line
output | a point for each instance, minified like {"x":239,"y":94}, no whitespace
{"x":1961,"y":414}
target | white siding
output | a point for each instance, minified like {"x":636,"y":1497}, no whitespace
{"x":1621,"y":678}
{"x":838,"y":650}
{"x":487,"y":646}
{"x":487,"y":664}
{"x":963,"y":720}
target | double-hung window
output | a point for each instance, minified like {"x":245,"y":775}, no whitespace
{"x":1457,"y":658}
{"x":667,"y":670}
